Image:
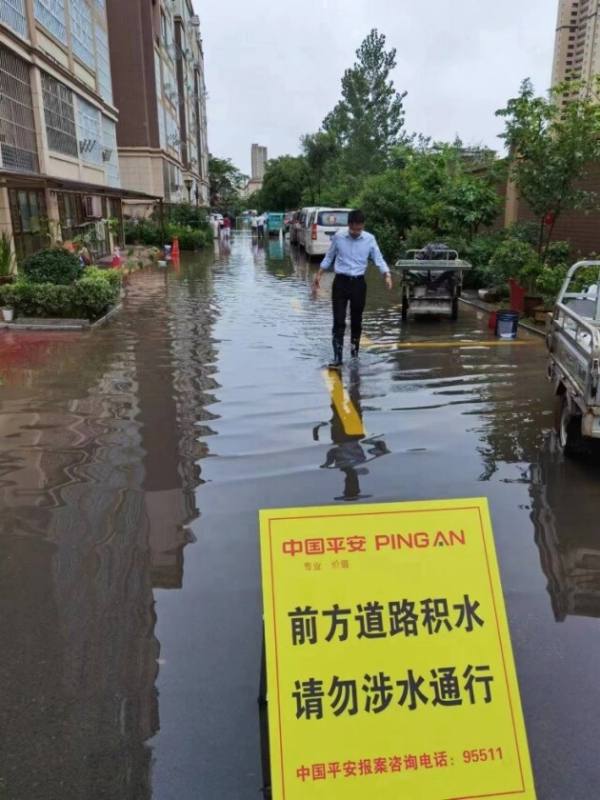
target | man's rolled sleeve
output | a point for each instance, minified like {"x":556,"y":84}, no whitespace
{"x":327,"y":262}
{"x":377,"y":258}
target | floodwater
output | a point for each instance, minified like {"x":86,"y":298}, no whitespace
{"x":132,"y":464}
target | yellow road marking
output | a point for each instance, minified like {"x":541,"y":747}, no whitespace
{"x":349,"y":416}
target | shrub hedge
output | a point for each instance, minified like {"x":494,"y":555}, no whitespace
{"x":87,"y":298}
{"x":55,"y":265}
{"x":148,"y":232}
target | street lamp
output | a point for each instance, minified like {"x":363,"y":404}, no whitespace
{"x":188,"y":185}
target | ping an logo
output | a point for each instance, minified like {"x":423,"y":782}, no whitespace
{"x":420,"y":540}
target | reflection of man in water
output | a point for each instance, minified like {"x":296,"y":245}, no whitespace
{"x":351,"y":451}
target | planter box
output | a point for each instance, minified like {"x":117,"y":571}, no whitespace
{"x":532,"y":302}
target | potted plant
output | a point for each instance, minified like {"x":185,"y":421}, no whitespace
{"x":7,"y":260}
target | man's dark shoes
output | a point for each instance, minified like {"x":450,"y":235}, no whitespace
{"x":355,"y":348}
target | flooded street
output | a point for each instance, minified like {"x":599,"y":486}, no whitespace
{"x":133,"y":462}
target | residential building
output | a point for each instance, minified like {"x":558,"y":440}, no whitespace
{"x":259,"y":161}
{"x":59,"y":169}
{"x":577,"y":46}
{"x":259,"y":158}
{"x":158,"y":79}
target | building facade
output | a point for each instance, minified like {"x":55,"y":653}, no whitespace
{"x":59,"y":168}
{"x":259,"y":161}
{"x":158,"y":79}
{"x":259,"y":157}
{"x":577,"y":46}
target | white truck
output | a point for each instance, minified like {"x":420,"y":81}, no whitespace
{"x":573,"y":341}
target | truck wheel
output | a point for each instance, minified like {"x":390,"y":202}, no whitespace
{"x":404,"y":309}
{"x":454,"y":314}
{"x":568,"y":429}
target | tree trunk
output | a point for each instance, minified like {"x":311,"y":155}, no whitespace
{"x":541,"y":237}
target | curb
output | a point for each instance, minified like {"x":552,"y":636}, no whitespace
{"x":62,"y":325}
{"x":489,"y":309}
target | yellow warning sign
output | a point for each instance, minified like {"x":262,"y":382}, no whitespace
{"x":389,"y":664}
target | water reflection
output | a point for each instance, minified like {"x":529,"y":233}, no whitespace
{"x":351,"y":450}
{"x":98,"y":460}
{"x":565,"y":502}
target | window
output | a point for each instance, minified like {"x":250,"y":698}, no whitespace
{"x":158,"y":74}
{"x":103,"y":65}
{"x":110,"y":154}
{"x":89,"y":132}
{"x":12,"y":13}
{"x":51,"y":14}
{"x":18,"y":144}
{"x":82,"y":31}
{"x":162,"y":129}
{"x":28,"y":215}
{"x":333,"y":219}
{"x":59,"y":113}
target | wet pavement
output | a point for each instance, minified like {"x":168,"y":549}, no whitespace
{"x":133,"y":461}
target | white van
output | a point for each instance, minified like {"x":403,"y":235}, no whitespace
{"x":321,"y":226}
{"x":301,"y":226}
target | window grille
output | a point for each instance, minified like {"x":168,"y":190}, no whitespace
{"x":12,"y":13}
{"x":89,"y":132}
{"x":59,"y":114}
{"x":82,"y":32}
{"x":51,"y":14}
{"x":18,"y":144}
{"x":103,"y":65}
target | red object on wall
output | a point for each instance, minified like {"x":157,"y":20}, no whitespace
{"x":549,"y":218}
{"x":517,"y":296}
{"x":175,"y":250}
{"x":493,"y":320}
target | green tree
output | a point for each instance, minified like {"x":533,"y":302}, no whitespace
{"x":368,"y":121}
{"x":551,"y":142}
{"x":226,"y":183}
{"x":286,"y":178}
{"x":385,"y":201}
{"x":320,"y":150}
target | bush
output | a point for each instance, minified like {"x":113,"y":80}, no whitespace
{"x":111,"y":276}
{"x":149,"y":233}
{"x":550,"y":280}
{"x":88,"y":298}
{"x":56,"y":266}
{"x":514,"y":258}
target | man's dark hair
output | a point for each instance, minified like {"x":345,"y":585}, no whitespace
{"x":356,"y":217}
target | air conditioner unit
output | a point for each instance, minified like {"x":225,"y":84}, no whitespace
{"x":93,"y":207}
{"x":195,"y":21}
{"x":107,"y":154}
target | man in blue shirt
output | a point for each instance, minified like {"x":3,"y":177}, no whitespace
{"x":350,"y":252}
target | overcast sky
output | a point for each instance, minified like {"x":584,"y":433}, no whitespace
{"x":273,"y":68}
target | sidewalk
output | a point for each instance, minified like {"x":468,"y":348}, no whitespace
{"x":470,"y":298}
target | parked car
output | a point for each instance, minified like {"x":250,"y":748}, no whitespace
{"x":321,"y":226}
{"x":294,"y":227}
{"x":301,"y":236}
{"x":275,"y":221}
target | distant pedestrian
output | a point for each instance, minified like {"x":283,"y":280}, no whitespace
{"x":261,"y":225}
{"x":227,"y":228}
{"x":349,"y":253}
{"x":254,"y":224}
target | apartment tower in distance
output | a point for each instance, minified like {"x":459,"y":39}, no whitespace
{"x":59,"y":169}
{"x":158,"y":79}
{"x":577,"y":47}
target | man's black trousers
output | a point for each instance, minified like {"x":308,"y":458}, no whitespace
{"x":353,"y":291}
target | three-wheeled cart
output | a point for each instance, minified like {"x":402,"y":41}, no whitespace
{"x":431,"y":286}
